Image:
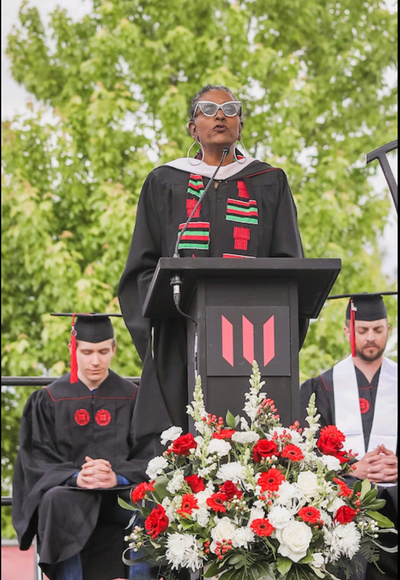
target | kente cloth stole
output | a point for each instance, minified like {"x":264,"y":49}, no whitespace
{"x":243,"y":211}
{"x":348,"y":413}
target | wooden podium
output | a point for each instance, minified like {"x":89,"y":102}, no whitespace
{"x":245,"y":310}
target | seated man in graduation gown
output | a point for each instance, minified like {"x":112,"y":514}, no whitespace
{"x":75,"y":458}
{"x":359,"y":396}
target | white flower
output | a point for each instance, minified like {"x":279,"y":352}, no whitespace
{"x":330,"y":462}
{"x":202,"y":516}
{"x":296,"y":438}
{"x":325,"y":517}
{"x":202,"y":497}
{"x":233,"y":471}
{"x":307,"y":483}
{"x":176,"y":482}
{"x":245,"y":437}
{"x":335,"y":505}
{"x":344,"y":539}
{"x":182,"y":550}
{"x":318,"y":560}
{"x":224,"y":530}
{"x":290,"y":497}
{"x":242,"y":537}
{"x":219,"y":446}
{"x":256,"y":513}
{"x":294,"y":540}
{"x":170,"y":508}
{"x":170,"y":434}
{"x":156,"y":466}
{"x":279,"y":517}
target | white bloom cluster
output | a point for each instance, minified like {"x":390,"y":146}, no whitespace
{"x":219,"y":446}
{"x":176,"y":482}
{"x":343,"y":540}
{"x":156,"y":466}
{"x":245,"y":437}
{"x":233,"y":471}
{"x":183,"y":550}
{"x":170,"y":434}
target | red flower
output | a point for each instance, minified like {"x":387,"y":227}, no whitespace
{"x":216,"y":502}
{"x":345,"y":514}
{"x":195,"y":483}
{"x":230,"y":490}
{"x":184,"y":444}
{"x":271,"y":480}
{"x":189,"y":503}
{"x":310,"y":514}
{"x":223,"y":434}
{"x":292,"y":452}
{"x":364,"y":405}
{"x":344,"y":490}
{"x":264,"y":448}
{"x":262,"y":527}
{"x":157,"y":522}
{"x":331,"y":442}
{"x":140,"y":491}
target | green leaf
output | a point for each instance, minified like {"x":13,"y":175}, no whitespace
{"x":127,"y":506}
{"x":284,"y":565}
{"x":212,"y":570}
{"x":365,"y":487}
{"x":230,"y":420}
{"x":381,"y":520}
{"x":160,"y":488}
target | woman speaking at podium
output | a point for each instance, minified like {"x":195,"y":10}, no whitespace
{"x":219,"y":203}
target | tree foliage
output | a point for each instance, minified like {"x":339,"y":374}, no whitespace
{"x":110,"y":95}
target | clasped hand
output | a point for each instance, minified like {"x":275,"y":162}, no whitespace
{"x":379,"y":466}
{"x":96,"y":473}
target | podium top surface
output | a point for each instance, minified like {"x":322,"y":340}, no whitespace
{"x":314,"y":277}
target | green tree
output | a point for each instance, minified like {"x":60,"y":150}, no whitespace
{"x":110,"y":95}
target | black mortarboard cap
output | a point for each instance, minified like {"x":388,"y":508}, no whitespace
{"x":89,"y":327}
{"x":367,"y":306}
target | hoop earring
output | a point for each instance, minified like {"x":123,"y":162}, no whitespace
{"x":192,"y":159}
{"x":243,"y":159}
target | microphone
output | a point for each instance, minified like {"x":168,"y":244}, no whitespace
{"x":176,"y":280}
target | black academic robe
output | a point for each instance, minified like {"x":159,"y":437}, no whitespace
{"x":251,"y":214}
{"x":322,"y":386}
{"x":61,"y":424}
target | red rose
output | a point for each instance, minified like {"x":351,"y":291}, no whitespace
{"x":184,"y":444}
{"x":331,"y":442}
{"x":223,"y":434}
{"x":140,"y":491}
{"x":195,"y":483}
{"x":157,"y":522}
{"x":230,"y":490}
{"x":345,"y":514}
{"x":264,"y":448}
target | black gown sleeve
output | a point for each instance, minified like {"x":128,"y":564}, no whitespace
{"x":323,"y":401}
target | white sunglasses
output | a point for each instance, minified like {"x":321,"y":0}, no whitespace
{"x":210,"y":109}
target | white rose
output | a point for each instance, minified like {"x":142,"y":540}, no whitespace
{"x":294,"y":540}
{"x":279,"y":517}
{"x":330,"y":462}
{"x":170,"y":434}
{"x":219,"y":446}
{"x":224,"y":530}
{"x":318,"y":560}
{"x":307,"y":482}
{"x":156,"y":466}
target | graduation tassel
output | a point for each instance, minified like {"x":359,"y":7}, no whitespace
{"x":74,"y":363}
{"x":352,"y":328}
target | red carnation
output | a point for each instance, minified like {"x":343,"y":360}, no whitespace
{"x":264,"y":448}
{"x":140,"y":491}
{"x":223,"y":434}
{"x":157,"y":522}
{"x":344,"y":490}
{"x":184,"y":444}
{"x":189,"y":503}
{"x":262,"y":527}
{"x":331,"y":442}
{"x":292,"y":452}
{"x":271,"y":480}
{"x":230,"y":490}
{"x":345,"y":515}
{"x":195,"y":483}
{"x":216,"y":502}
{"x":310,"y":514}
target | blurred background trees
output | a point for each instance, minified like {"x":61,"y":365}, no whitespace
{"x":110,"y":98}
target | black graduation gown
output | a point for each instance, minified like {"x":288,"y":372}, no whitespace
{"x":61,"y":424}
{"x":261,"y":193}
{"x":322,"y":386}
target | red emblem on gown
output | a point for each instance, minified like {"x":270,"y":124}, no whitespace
{"x":364,"y":405}
{"x":82,"y":417}
{"x":102,"y":417}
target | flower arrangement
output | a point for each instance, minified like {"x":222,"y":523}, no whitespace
{"x":251,"y":499}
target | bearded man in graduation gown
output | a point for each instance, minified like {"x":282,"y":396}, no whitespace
{"x":359,"y":396}
{"x":75,"y":459}
{"x":247,"y":213}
